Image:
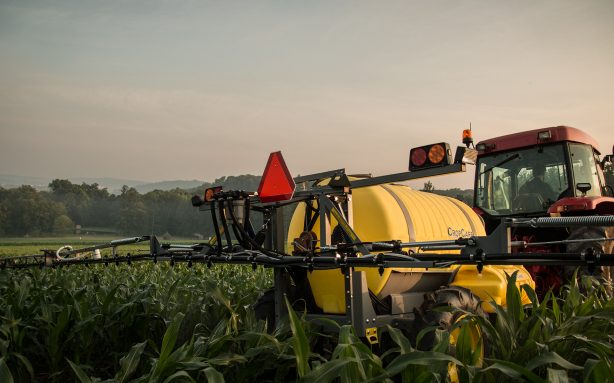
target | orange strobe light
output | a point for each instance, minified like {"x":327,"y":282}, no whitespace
{"x":467,"y":137}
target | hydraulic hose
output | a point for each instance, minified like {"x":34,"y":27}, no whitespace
{"x":247,"y":237}
{"x":238,"y":229}
{"x":218,"y":236}
{"x":225,"y":225}
{"x":238,"y":234}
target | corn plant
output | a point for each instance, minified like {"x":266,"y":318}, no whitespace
{"x":162,"y":323}
{"x":562,"y":338}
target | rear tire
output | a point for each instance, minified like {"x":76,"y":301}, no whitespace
{"x":429,"y":313}
{"x":602,"y":273}
{"x":264,"y":309}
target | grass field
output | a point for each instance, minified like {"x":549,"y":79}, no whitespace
{"x":29,"y":246}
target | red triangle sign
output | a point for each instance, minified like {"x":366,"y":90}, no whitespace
{"x":276,"y":183}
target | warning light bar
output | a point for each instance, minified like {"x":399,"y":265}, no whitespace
{"x":430,"y":156}
{"x":276,"y":184}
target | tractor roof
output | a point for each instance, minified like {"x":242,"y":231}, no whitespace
{"x":530,"y":138}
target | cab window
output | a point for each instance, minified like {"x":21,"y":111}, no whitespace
{"x":526,"y":181}
{"x":584,"y":169}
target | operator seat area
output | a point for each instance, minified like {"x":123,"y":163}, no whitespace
{"x":528,"y":202}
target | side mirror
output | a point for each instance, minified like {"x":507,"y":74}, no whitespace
{"x":583,"y":187}
{"x":606,"y":159}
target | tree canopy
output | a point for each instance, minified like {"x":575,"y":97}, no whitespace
{"x":26,"y":211}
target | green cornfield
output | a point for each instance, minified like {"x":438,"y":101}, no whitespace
{"x":160,"y":323}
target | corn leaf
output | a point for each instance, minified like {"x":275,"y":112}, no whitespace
{"x":182,"y":375}
{"x":514,"y":371}
{"x":532,"y":295}
{"x":213,"y":375}
{"x":422,"y":333}
{"x":26,"y":363}
{"x":300,"y":342}
{"x":5,"y":372}
{"x":168,"y":344}
{"x":83,"y":377}
{"x":227,"y":359}
{"x":557,"y":376}
{"x":417,"y":358}
{"x":514,"y":302}
{"x":556,"y":311}
{"x":400,"y":339}
{"x":327,"y":372}
{"x":464,"y":346}
{"x":170,"y":336}
{"x":550,"y":358}
{"x":597,"y":371}
{"x":130,"y":362}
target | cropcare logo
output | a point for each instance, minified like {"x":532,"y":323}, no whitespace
{"x":459,"y":233}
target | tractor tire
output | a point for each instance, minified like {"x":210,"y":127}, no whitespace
{"x":603,"y":274}
{"x":264,"y":309}
{"x":429,"y":315}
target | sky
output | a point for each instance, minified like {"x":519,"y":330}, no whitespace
{"x":163,"y":90}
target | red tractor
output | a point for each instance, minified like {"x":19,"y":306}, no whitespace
{"x":552,"y":172}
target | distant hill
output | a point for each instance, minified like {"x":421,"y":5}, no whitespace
{"x":113,"y":185}
{"x":10,"y":181}
{"x":168,"y":185}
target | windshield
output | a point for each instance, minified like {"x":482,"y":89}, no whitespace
{"x":521,"y":182}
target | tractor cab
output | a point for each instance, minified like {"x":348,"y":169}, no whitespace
{"x":531,"y":173}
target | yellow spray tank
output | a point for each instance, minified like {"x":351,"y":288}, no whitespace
{"x":392,"y":211}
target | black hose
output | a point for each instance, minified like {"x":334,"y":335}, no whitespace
{"x":248,"y":223}
{"x":225,"y":225}
{"x":252,"y":242}
{"x":218,"y":236}
{"x":239,"y":231}
{"x":235,"y":224}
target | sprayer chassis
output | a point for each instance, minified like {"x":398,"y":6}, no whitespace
{"x":335,"y":200}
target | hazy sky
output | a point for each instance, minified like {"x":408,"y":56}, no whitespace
{"x":159,"y":90}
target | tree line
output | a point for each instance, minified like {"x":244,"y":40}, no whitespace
{"x":24,"y":211}
{"x":464,"y":195}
